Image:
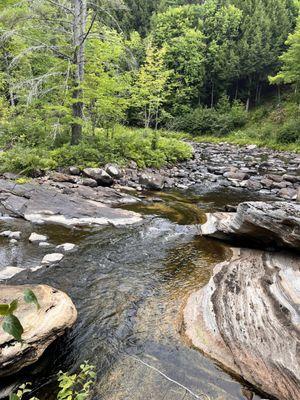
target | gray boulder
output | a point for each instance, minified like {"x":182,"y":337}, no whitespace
{"x":99,"y":175}
{"x":114,"y":171}
{"x":152,"y":181}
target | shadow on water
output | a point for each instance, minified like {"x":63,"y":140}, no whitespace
{"x":129,"y":285}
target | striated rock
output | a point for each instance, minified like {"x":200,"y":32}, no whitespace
{"x":99,"y":175}
{"x":247,"y":318}
{"x":262,"y":224}
{"x":41,"y":327}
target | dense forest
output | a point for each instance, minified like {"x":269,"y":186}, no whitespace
{"x":88,"y":82}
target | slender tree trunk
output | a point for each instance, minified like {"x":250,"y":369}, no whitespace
{"x":212,"y":100}
{"x":236,"y":90}
{"x":79,"y":26}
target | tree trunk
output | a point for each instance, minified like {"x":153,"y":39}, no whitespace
{"x":212,"y":95}
{"x":79,"y":26}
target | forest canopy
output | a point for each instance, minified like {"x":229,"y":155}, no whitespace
{"x":74,"y":72}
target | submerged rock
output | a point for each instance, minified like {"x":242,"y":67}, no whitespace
{"x":41,"y":327}
{"x":247,"y":318}
{"x":263,"y":224}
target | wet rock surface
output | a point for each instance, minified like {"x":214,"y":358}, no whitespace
{"x":274,"y":224}
{"x":65,"y":204}
{"x":247,"y":318}
{"x":41,"y":327}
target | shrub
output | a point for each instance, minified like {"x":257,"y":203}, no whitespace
{"x":289,"y":132}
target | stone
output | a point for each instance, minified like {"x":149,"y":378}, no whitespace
{"x":74,"y":171}
{"x":11,"y":235}
{"x":89,"y":182}
{"x":291,"y":178}
{"x":298,"y":195}
{"x":99,"y":175}
{"x":52,"y":258}
{"x":288,"y":193}
{"x":41,"y":327}
{"x":273,"y":177}
{"x":11,"y":175}
{"x":36,"y":238}
{"x":66,"y":247}
{"x":152,"y":181}
{"x":44,"y":244}
{"x":114,"y":171}
{"x":274,"y":224}
{"x":239,"y":176}
{"x":42,"y":204}
{"x":13,"y":241}
{"x":247,"y":319}
{"x":9,"y":272}
{"x":60,"y":177}
{"x":251,"y":184}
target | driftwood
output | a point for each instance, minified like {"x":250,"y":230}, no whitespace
{"x":41,"y":327}
{"x":247,"y":318}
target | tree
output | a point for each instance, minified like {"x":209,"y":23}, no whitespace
{"x":290,"y":70}
{"x":150,"y":90}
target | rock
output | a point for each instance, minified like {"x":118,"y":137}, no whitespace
{"x":99,"y":175}
{"x":252,"y":146}
{"x":11,"y":175}
{"x":288,"y":193}
{"x":262,"y":224}
{"x":152,"y":181}
{"x":251,"y":184}
{"x":42,"y":204}
{"x":44,"y":244}
{"x":114,"y":171}
{"x":13,"y":241}
{"x":11,"y":235}
{"x":247,"y":318}
{"x":74,"y":171}
{"x":36,"y":238}
{"x":298,"y":195}
{"x":89,"y":182}
{"x":41,"y":327}
{"x":275,"y":178}
{"x":52,"y":258}
{"x":291,"y":178}
{"x":9,"y":272}
{"x":66,"y":247}
{"x":238,"y":176}
{"x":59,"y":177}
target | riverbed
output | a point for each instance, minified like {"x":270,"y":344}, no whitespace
{"x":129,"y":285}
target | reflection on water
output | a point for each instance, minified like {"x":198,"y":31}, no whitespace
{"x":129,"y":285}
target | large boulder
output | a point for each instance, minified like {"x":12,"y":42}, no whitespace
{"x":41,"y":327}
{"x":274,"y":224}
{"x":99,"y":175}
{"x":247,"y":318}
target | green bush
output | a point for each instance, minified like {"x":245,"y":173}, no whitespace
{"x":26,"y":160}
{"x":218,"y":121}
{"x":289,"y":132}
{"x":146,"y":147}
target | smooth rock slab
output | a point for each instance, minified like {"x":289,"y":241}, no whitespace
{"x":42,"y":204}
{"x":247,"y":318}
{"x":263,"y":224}
{"x":41,"y":327}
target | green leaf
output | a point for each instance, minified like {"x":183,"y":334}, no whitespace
{"x":4,"y":309}
{"x":13,"y":396}
{"x":13,"y":306}
{"x":30,"y":297}
{"x":13,"y":327}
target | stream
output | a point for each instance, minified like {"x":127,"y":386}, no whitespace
{"x":130,"y":285}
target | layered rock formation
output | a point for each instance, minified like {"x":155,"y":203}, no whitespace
{"x":41,"y":327}
{"x":247,"y":318}
{"x":274,"y":224}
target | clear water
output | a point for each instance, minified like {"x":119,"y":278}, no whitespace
{"x":130,"y":285}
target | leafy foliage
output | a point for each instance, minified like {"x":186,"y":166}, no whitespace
{"x":11,"y":323}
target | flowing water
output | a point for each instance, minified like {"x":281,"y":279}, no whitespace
{"x":130,"y":285}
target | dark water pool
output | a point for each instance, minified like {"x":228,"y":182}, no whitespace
{"x":129,"y":285}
